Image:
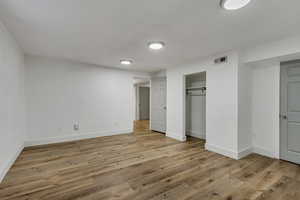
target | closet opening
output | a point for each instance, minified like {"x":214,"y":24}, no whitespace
{"x":195,"y":105}
{"x":142,"y":105}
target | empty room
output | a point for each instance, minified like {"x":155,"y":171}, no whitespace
{"x":149,"y":100}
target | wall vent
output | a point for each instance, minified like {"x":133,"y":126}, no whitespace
{"x":223,"y":59}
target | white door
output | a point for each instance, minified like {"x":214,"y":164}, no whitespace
{"x":290,"y":112}
{"x":158,"y":104}
{"x":144,"y":105}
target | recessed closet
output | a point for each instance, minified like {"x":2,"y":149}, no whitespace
{"x":196,"y":105}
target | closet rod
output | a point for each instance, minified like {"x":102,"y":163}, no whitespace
{"x":196,"y":88}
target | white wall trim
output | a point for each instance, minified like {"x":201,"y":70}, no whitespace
{"x":10,"y":163}
{"x":222,"y":151}
{"x":264,"y":152}
{"x":240,"y":154}
{"x":74,"y":137}
{"x":245,"y":152}
{"x":175,"y":136}
{"x":277,"y":97}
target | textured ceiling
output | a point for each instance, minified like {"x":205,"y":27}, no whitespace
{"x":104,"y":31}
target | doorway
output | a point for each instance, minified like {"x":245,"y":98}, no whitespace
{"x":195,"y":105}
{"x":142,"y":104}
{"x":290,"y":111}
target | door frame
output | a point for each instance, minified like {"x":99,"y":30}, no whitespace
{"x":283,"y":68}
{"x":184,"y":102}
{"x":135,"y":97}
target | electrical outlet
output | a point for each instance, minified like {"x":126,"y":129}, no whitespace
{"x":76,"y":127}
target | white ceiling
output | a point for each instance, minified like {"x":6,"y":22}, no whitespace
{"x":104,"y":31}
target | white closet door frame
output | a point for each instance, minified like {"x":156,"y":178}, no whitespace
{"x":184,"y":102}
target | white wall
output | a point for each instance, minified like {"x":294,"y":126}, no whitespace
{"x":61,"y":93}
{"x":12,"y":109}
{"x":244,"y":109}
{"x":161,"y":73}
{"x":282,"y":50}
{"x":253,"y":97}
{"x":221,"y":103}
{"x":196,"y":116}
{"x":265,"y":92}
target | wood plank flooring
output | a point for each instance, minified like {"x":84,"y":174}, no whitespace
{"x":145,"y":165}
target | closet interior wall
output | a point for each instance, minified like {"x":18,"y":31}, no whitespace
{"x":196,"y":105}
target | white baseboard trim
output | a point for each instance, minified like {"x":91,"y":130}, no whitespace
{"x":10,"y":163}
{"x":263,"y":152}
{"x":179,"y":137}
{"x":196,"y":134}
{"x":245,"y":152}
{"x":222,"y":151}
{"x":74,"y":137}
{"x":240,"y":154}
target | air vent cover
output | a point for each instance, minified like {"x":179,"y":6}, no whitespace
{"x":221,"y":60}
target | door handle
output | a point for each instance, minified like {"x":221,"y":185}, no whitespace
{"x":165,"y":107}
{"x":283,"y":117}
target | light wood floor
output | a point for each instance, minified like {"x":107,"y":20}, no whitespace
{"x":145,"y":165}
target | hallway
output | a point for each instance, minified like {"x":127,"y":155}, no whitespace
{"x":141,"y":127}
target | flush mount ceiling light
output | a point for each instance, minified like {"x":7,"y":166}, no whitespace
{"x":234,"y":4}
{"x":156,"y":45}
{"x":126,"y":62}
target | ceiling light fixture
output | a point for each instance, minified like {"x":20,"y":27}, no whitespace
{"x":156,"y":45}
{"x":234,"y":4}
{"x":126,"y":62}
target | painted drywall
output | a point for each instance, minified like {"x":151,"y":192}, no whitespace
{"x":264,"y":61}
{"x":280,"y":50}
{"x":244,"y":109}
{"x":265,"y":93}
{"x":61,"y":93}
{"x":161,"y":73}
{"x":221,"y":103}
{"x":12,"y":101}
{"x":196,"y":116}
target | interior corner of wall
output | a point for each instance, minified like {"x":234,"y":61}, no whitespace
{"x":223,"y":151}
{"x":11,"y":161}
{"x":176,"y":136}
{"x":264,"y":152}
